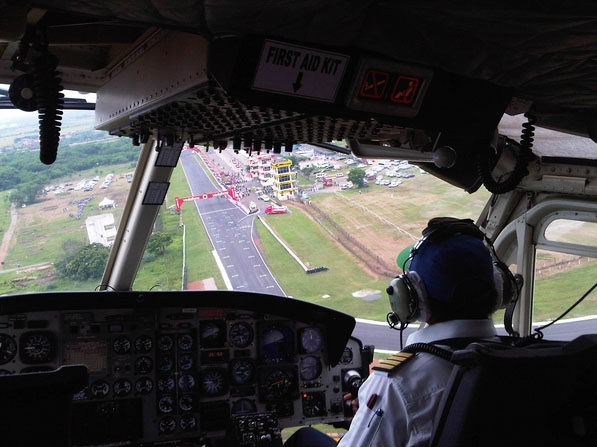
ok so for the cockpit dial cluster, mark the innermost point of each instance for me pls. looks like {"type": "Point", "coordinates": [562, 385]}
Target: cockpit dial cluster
{"type": "Point", "coordinates": [175, 373]}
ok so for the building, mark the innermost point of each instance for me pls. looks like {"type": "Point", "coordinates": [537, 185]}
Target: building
{"type": "Point", "coordinates": [261, 167]}
{"type": "Point", "coordinates": [284, 184]}
{"type": "Point", "coordinates": [101, 229]}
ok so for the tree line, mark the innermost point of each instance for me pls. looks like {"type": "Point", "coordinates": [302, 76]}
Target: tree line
{"type": "Point", "coordinates": [27, 176]}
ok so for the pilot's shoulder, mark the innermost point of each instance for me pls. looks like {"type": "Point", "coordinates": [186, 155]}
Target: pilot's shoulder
{"type": "Point", "coordinates": [393, 362]}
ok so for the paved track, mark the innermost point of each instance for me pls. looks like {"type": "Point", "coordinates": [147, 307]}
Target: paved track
{"type": "Point", "coordinates": [231, 232]}
{"type": "Point", "coordinates": [386, 339]}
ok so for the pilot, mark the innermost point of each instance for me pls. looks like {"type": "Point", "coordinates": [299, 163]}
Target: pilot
{"type": "Point", "coordinates": [451, 278]}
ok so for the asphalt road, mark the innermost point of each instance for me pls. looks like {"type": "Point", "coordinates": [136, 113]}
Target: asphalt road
{"type": "Point", "coordinates": [231, 232]}
{"type": "Point", "coordinates": [386, 339]}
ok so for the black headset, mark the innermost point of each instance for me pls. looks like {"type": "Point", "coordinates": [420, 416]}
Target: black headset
{"type": "Point", "coordinates": [406, 292]}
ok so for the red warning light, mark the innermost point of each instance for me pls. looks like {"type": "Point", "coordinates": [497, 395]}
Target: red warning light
{"type": "Point", "coordinates": [374, 84]}
{"type": "Point", "coordinates": [405, 90]}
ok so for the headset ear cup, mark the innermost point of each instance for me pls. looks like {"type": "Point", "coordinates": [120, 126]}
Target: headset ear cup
{"type": "Point", "coordinates": [505, 285]}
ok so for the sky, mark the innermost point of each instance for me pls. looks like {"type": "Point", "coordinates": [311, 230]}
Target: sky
{"type": "Point", "coordinates": [8, 113]}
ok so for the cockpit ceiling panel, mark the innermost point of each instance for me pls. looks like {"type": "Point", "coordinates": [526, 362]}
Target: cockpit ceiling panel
{"type": "Point", "coordinates": [211, 115]}
{"type": "Point", "coordinates": [544, 50]}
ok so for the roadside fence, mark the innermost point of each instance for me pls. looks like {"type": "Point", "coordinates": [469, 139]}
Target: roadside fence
{"type": "Point", "coordinates": [348, 241]}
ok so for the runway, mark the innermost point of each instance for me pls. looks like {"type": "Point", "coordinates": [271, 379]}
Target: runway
{"type": "Point", "coordinates": [232, 235]}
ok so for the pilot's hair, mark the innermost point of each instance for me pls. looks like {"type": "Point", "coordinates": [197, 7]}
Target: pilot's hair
{"type": "Point", "coordinates": [471, 300]}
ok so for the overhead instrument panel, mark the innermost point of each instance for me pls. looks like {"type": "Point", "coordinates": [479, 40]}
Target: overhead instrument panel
{"type": "Point", "coordinates": [263, 93]}
{"type": "Point", "coordinates": [207, 368]}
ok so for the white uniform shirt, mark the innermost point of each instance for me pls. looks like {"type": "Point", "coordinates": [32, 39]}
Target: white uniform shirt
{"type": "Point", "coordinates": [409, 396]}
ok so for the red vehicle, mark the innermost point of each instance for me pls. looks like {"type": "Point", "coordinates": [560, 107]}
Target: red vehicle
{"type": "Point", "coordinates": [327, 181]}
{"type": "Point", "coordinates": [275, 209]}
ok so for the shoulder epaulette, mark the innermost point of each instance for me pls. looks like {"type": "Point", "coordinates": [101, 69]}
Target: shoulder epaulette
{"type": "Point", "coordinates": [393, 361]}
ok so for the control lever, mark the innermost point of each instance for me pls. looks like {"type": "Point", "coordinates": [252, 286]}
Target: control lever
{"type": "Point", "coordinates": [352, 381]}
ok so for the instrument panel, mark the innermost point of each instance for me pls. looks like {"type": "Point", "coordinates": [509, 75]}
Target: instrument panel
{"type": "Point", "coordinates": [189, 373]}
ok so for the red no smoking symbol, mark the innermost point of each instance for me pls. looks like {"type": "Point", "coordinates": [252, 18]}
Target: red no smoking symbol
{"type": "Point", "coordinates": [374, 84]}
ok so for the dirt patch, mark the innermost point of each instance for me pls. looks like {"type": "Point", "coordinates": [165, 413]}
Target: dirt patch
{"type": "Point", "coordinates": [367, 294]}
{"type": "Point", "coordinates": [357, 261]}
{"type": "Point", "coordinates": [204, 284]}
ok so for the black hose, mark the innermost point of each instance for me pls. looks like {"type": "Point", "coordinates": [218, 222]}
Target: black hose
{"type": "Point", "coordinates": [50, 101]}
{"type": "Point", "coordinates": [525, 155]}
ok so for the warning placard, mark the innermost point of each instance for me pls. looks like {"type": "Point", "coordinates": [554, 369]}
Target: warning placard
{"type": "Point", "coordinates": [300, 71]}
{"type": "Point", "coordinates": [405, 90]}
{"type": "Point", "coordinates": [374, 84]}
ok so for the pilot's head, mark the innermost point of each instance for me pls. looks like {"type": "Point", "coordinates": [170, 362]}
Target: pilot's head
{"type": "Point", "coordinates": [456, 274]}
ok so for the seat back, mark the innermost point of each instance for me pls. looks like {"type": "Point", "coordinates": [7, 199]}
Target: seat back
{"type": "Point", "coordinates": [543, 394]}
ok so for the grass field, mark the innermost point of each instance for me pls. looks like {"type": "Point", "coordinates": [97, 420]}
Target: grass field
{"type": "Point", "coordinates": [46, 227]}
{"type": "Point", "coordinates": [554, 292]}
{"type": "Point", "coordinates": [389, 219]}
{"type": "Point", "coordinates": [4, 212]}
{"type": "Point", "coordinates": [200, 261]}
{"type": "Point", "coordinates": [316, 249]}
{"type": "Point", "coordinates": [43, 227]}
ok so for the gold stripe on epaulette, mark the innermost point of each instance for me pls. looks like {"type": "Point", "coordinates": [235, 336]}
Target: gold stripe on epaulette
{"type": "Point", "coordinates": [393, 361]}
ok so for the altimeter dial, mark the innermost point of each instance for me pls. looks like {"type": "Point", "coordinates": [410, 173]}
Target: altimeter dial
{"type": "Point", "coordinates": [37, 347]}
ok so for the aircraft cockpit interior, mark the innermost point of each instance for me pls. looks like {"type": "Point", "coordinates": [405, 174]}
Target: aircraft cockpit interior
{"type": "Point", "coordinates": [422, 82]}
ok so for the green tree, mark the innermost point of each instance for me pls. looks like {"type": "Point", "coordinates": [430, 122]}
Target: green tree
{"type": "Point", "coordinates": [88, 263]}
{"type": "Point", "coordinates": [158, 242]}
{"type": "Point", "coordinates": [356, 176]}
{"type": "Point", "coordinates": [307, 171]}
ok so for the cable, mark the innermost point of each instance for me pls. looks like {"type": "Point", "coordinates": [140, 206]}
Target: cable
{"type": "Point", "coordinates": [393, 321]}
{"type": "Point", "coordinates": [429, 349]}
{"type": "Point", "coordinates": [520, 169]}
{"type": "Point", "coordinates": [49, 101]}
{"type": "Point", "coordinates": [538, 332]}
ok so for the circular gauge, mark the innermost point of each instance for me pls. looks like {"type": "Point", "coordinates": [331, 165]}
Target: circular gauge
{"type": "Point", "coordinates": [8, 349]}
{"type": "Point", "coordinates": [185, 342]}
{"type": "Point", "coordinates": [165, 343]}
{"type": "Point", "coordinates": [167, 425]}
{"type": "Point", "coordinates": [277, 384]}
{"type": "Point", "coordinates": [346, 356]}
{"type": "Point", "coordinates": [310, 368]}
{"type": "Point", "coordinates": [143, 365]}
{"type": "Point", "coordinates": [144, 385]}
{"type": "Point", "coordinates": [242, 406]}
{"type": "Point", "coordinates": [99, 389]}
{"type": "Point", "coordinates": [166, 404]}
{"type": "Point", "coordinates": [311, 339]}
{"type": "Point", "coordinates": [186, 382]}
{"type": "Point", "coordinates": [122, 387]}
{"type": "Point", "coordinates": [37, 347]}
{"type": "Point", "coordinates": [166, 364]}
{"type": "Point", "coordinates": [143, 344]}
{"type": "Point", "coordinates": [212, 334]}
{"type": "Point", "coordinates": [188, 422]}
{"type": "Point", "coordinates": [185, 362]}
{"type": "Point", "coordinates": [213, 382]}
{"type": "Point", "coordinates": [277, 344]}
{"type": "Point", "coordinates": [166, 384]}
{"type": "Point", "coordinates": [185, 403]}
{"type": "Point", "coordinates": [241, 334]}
{"type": "Point", "coordinates": [242, 371]}
{"type": "Point", "coordinates": [121, 345]}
